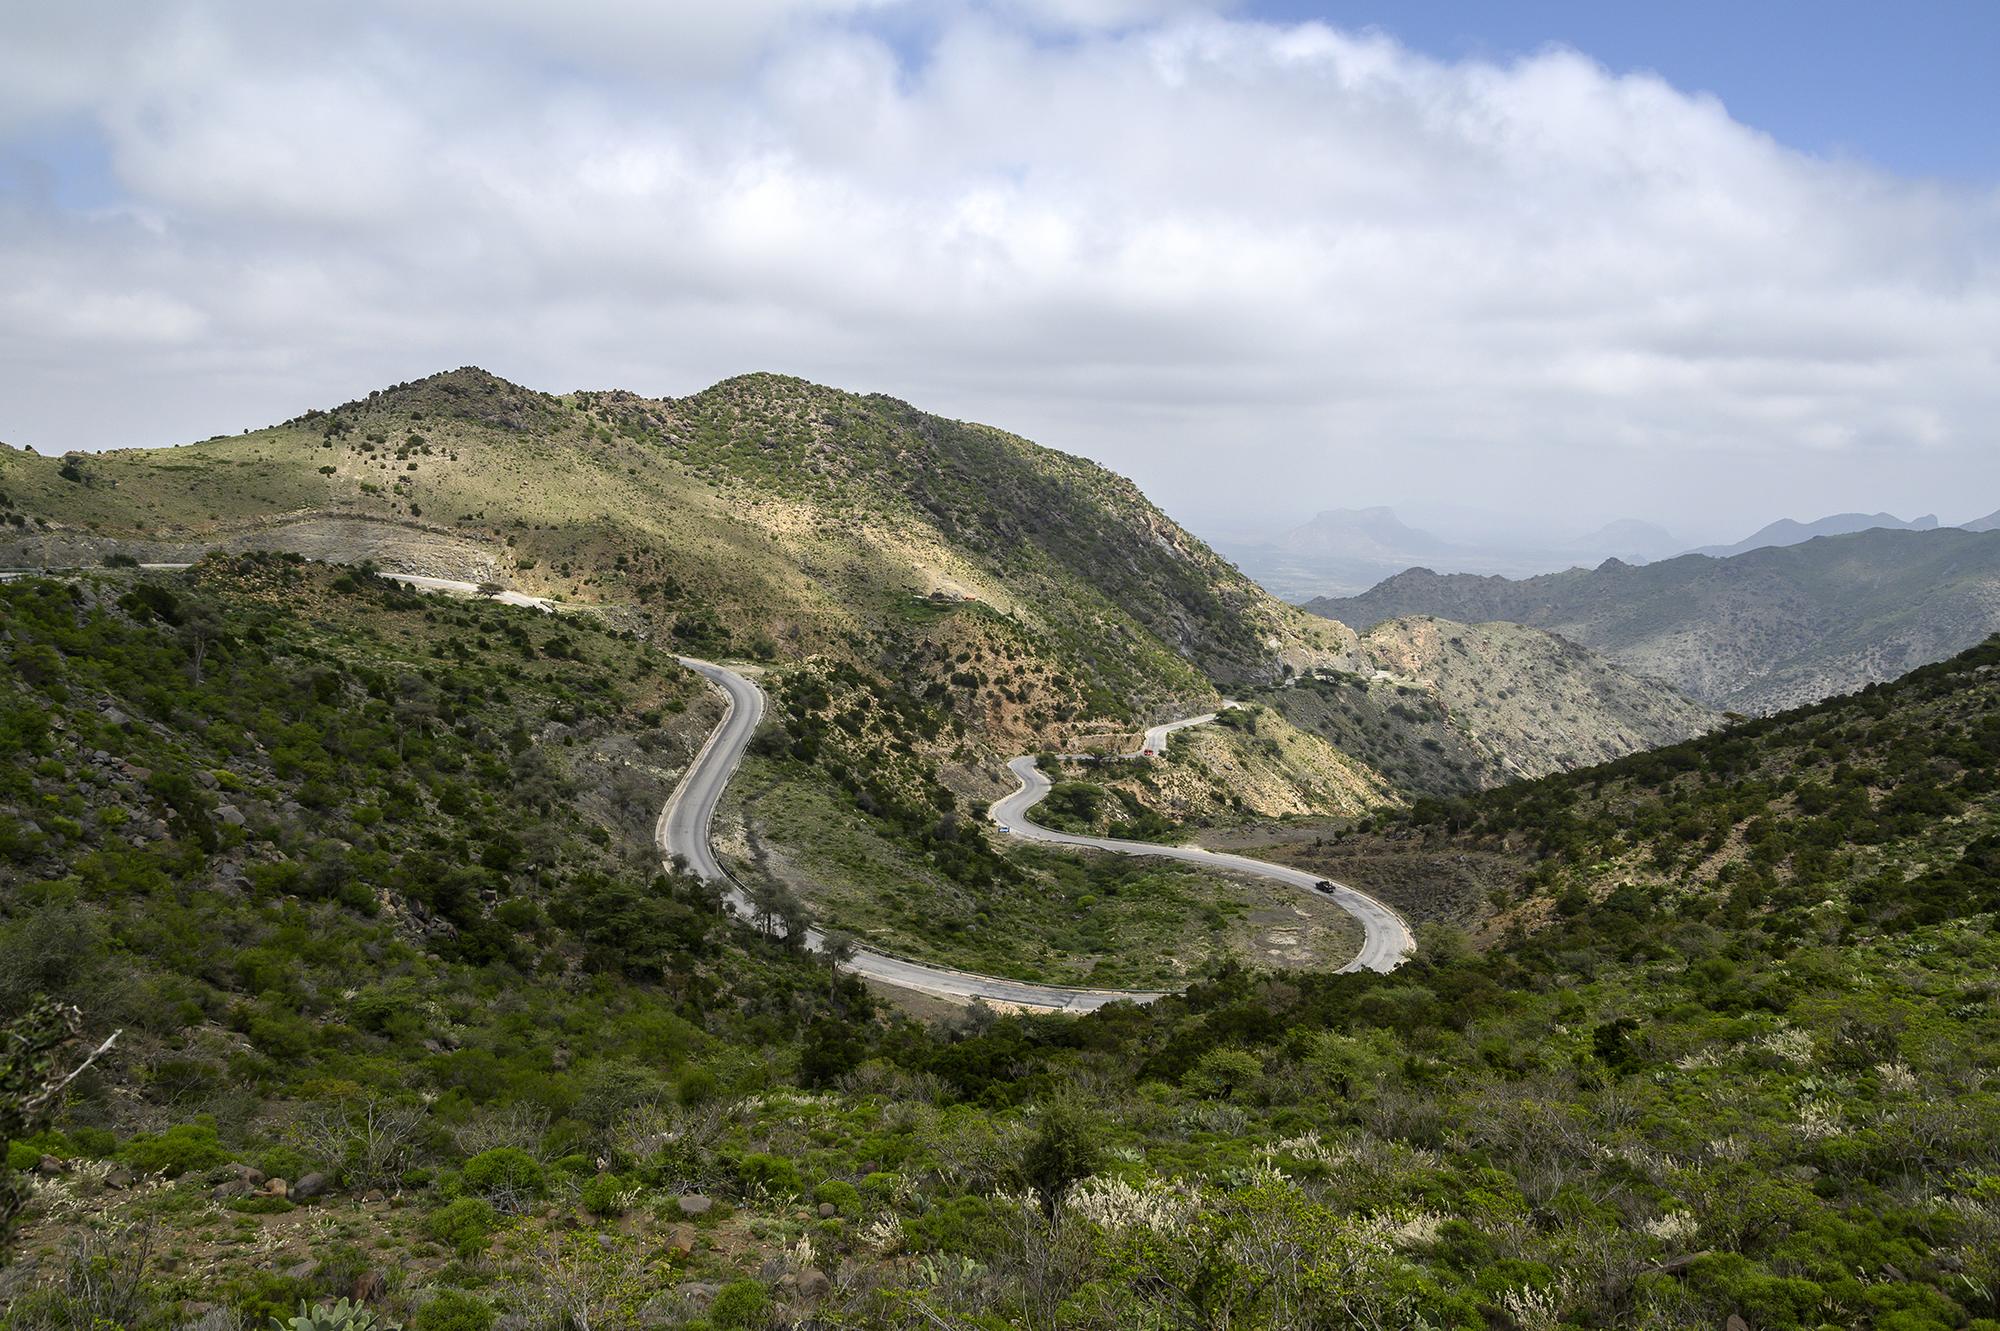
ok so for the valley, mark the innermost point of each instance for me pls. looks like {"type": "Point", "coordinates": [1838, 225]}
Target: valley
{"type": "Point", "coordinates": [727, 894]}
{"type": "Point", "coordinates": [1051, 665]}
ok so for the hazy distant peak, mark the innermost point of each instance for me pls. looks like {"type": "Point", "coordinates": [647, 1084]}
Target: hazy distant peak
{"type": "Point", "coordinates": [1789, 531]}
{"type": "Point", "coordinates": [1991, 522]}
{"type": "Point", "coordinates": [1374, 531]}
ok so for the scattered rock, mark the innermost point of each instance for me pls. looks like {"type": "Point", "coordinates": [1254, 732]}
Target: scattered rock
{"type": "Point", "coordinates": [120, 1178]}
{"type": "Point", "coordinates": [301, 1270]}
{"type": "Point", "coordinates": [250, 1174]}
{"type": "Point", "coordinates": [827, 1210]}
{"type": "Point", "coordinates": [308, 1187]}
{"type": "Point", "coordinates": [694, 1204]}
{"type": "Point", "coordinates": [772, 1271]}
{"type": "Point", "coordinates": [48, 1164]}
{"type": "Point", "coordinates": [207, 779]}
{"type": "Point", "coordinates": [697, 1294]}
{"type": "Point", "coordinates": [679, 1241]}
{"type": "Point", "coordinates": [230, 814]}
{"type": "Point", "coordinates": [1735, 1323]}
{"type": "Point", "coordinates": [373, 1197]}
{"type": "Point", "coordinates": [277, 1187]}
{"type": "Point", "coordinates": [813, 1283]}
{"type": "Point", "coordinates": [235, 1187]}
{"type": "Point", "coordinates": [368, 1287]}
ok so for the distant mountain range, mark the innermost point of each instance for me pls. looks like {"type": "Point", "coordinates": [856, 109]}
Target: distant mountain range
{"type": "Point", "coordinates": [1344, 551]}
{"type": "Point", "coordinates": [1350, 549]}
{"type": "Point", "coordinates": [1787, 532]}
{"type": "Point", "coordinates": [1754, 632]}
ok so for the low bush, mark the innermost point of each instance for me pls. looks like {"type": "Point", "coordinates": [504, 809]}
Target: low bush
{"type": "Point", "coordinates": [174, 1152]}
{"type": "Point", "coordinates": [741, 1303]}
{"type": "Point", "coordinates": [772, 1173]}
{"type": "Point", "coordinates": [451, 1310]}
{"type": "Point", "coordinates": [506, 1176]}
{"type": "Point", "coordinates": [463, 1226]}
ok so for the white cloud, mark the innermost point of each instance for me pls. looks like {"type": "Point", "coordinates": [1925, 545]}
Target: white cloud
{"type": "Point", "coordinates": [1233, 259]}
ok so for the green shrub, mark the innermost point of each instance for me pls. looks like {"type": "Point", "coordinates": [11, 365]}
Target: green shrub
{"type": "Point", "coordinates": [697, 1085]}
{"type": "Point", "coordinates": [463, 1226]}
{"type": "Point", "coordinates": [1064, 1152]}
{"type": "Point", "coordinates": [22, 1156]}
{"type": "Point", "coordinates": [962, 1225]}
{"type": "Point", "coordinates": [741, 1303]}
{"type": "Point", "coordinates": [265, 1298]}
{"type": "Point", "coordinates": [1220, 1073]}
{"type": "Point", "coordinates": [96, 1143]}
{"type": "Point", "coordinates": [450, 1310]}
{"type": "Point", "coordinates": [845, 1197]}
{"type": "Point", "coordinates": [773, 1173]}
{"type": "Point", "coordinates": [604, 1194]}
{"type": "Point", "coordinates": [283, 1162]}
{"type": "Point", "coordinates": [507, 1176]}
{"type": "Point", "coordinates": [261, 1204]}
{"type": "Point", "coordinates": [180, 1148]}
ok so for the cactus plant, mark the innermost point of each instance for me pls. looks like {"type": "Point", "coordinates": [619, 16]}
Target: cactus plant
{"type": "Point", "coordinates": [341, 1316]}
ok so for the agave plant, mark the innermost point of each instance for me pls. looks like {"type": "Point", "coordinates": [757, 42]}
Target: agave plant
{"type": "Point", "coordinates": [341, 1316]}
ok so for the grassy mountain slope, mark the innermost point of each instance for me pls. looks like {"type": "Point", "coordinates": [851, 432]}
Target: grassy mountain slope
{"type": "Point", "coordinates": [765, 515]}
{"type": "Point", "coordinates": [1761, 631]}
{"type": "Point", "coordinates": [1032, 598]}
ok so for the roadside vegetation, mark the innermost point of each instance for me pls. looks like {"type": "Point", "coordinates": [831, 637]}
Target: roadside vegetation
{"type": "Point", "coordinates": [1729, 1052]}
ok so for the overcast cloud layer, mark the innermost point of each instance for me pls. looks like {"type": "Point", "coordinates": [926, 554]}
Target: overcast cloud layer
{"type": "Point", "coordinates": [1259, 268]}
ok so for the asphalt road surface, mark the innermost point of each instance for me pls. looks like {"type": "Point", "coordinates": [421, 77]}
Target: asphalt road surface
{"type": "Point", "coordinates": [1386, 938]}
{"type": "Point", "coordinates": [683, 832]}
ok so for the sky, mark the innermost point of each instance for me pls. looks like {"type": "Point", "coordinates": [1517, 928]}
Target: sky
{"type": "Point", "coordinates": [1538, 264]}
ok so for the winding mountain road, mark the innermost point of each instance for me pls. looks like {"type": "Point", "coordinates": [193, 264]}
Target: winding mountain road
{"type": "Point", "coordinates": [683, 831]}
{"type": "Point", "coordinates": [1386, 939]}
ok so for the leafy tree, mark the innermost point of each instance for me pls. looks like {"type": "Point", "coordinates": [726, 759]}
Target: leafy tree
{"type": "Point", "coordinates": [1063, 1152]}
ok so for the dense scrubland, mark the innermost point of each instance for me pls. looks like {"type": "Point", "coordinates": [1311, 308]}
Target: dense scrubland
{"type": "Point", "coordinates": [363, 879]}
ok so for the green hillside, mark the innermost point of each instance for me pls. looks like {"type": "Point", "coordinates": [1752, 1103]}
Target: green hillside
{"type": "Point", "coordinates": [765, 516]}
{"type": "Point", "coordinates": [1727, 1047]}
{"type": "Point", "coordinates": [1016, 597]}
